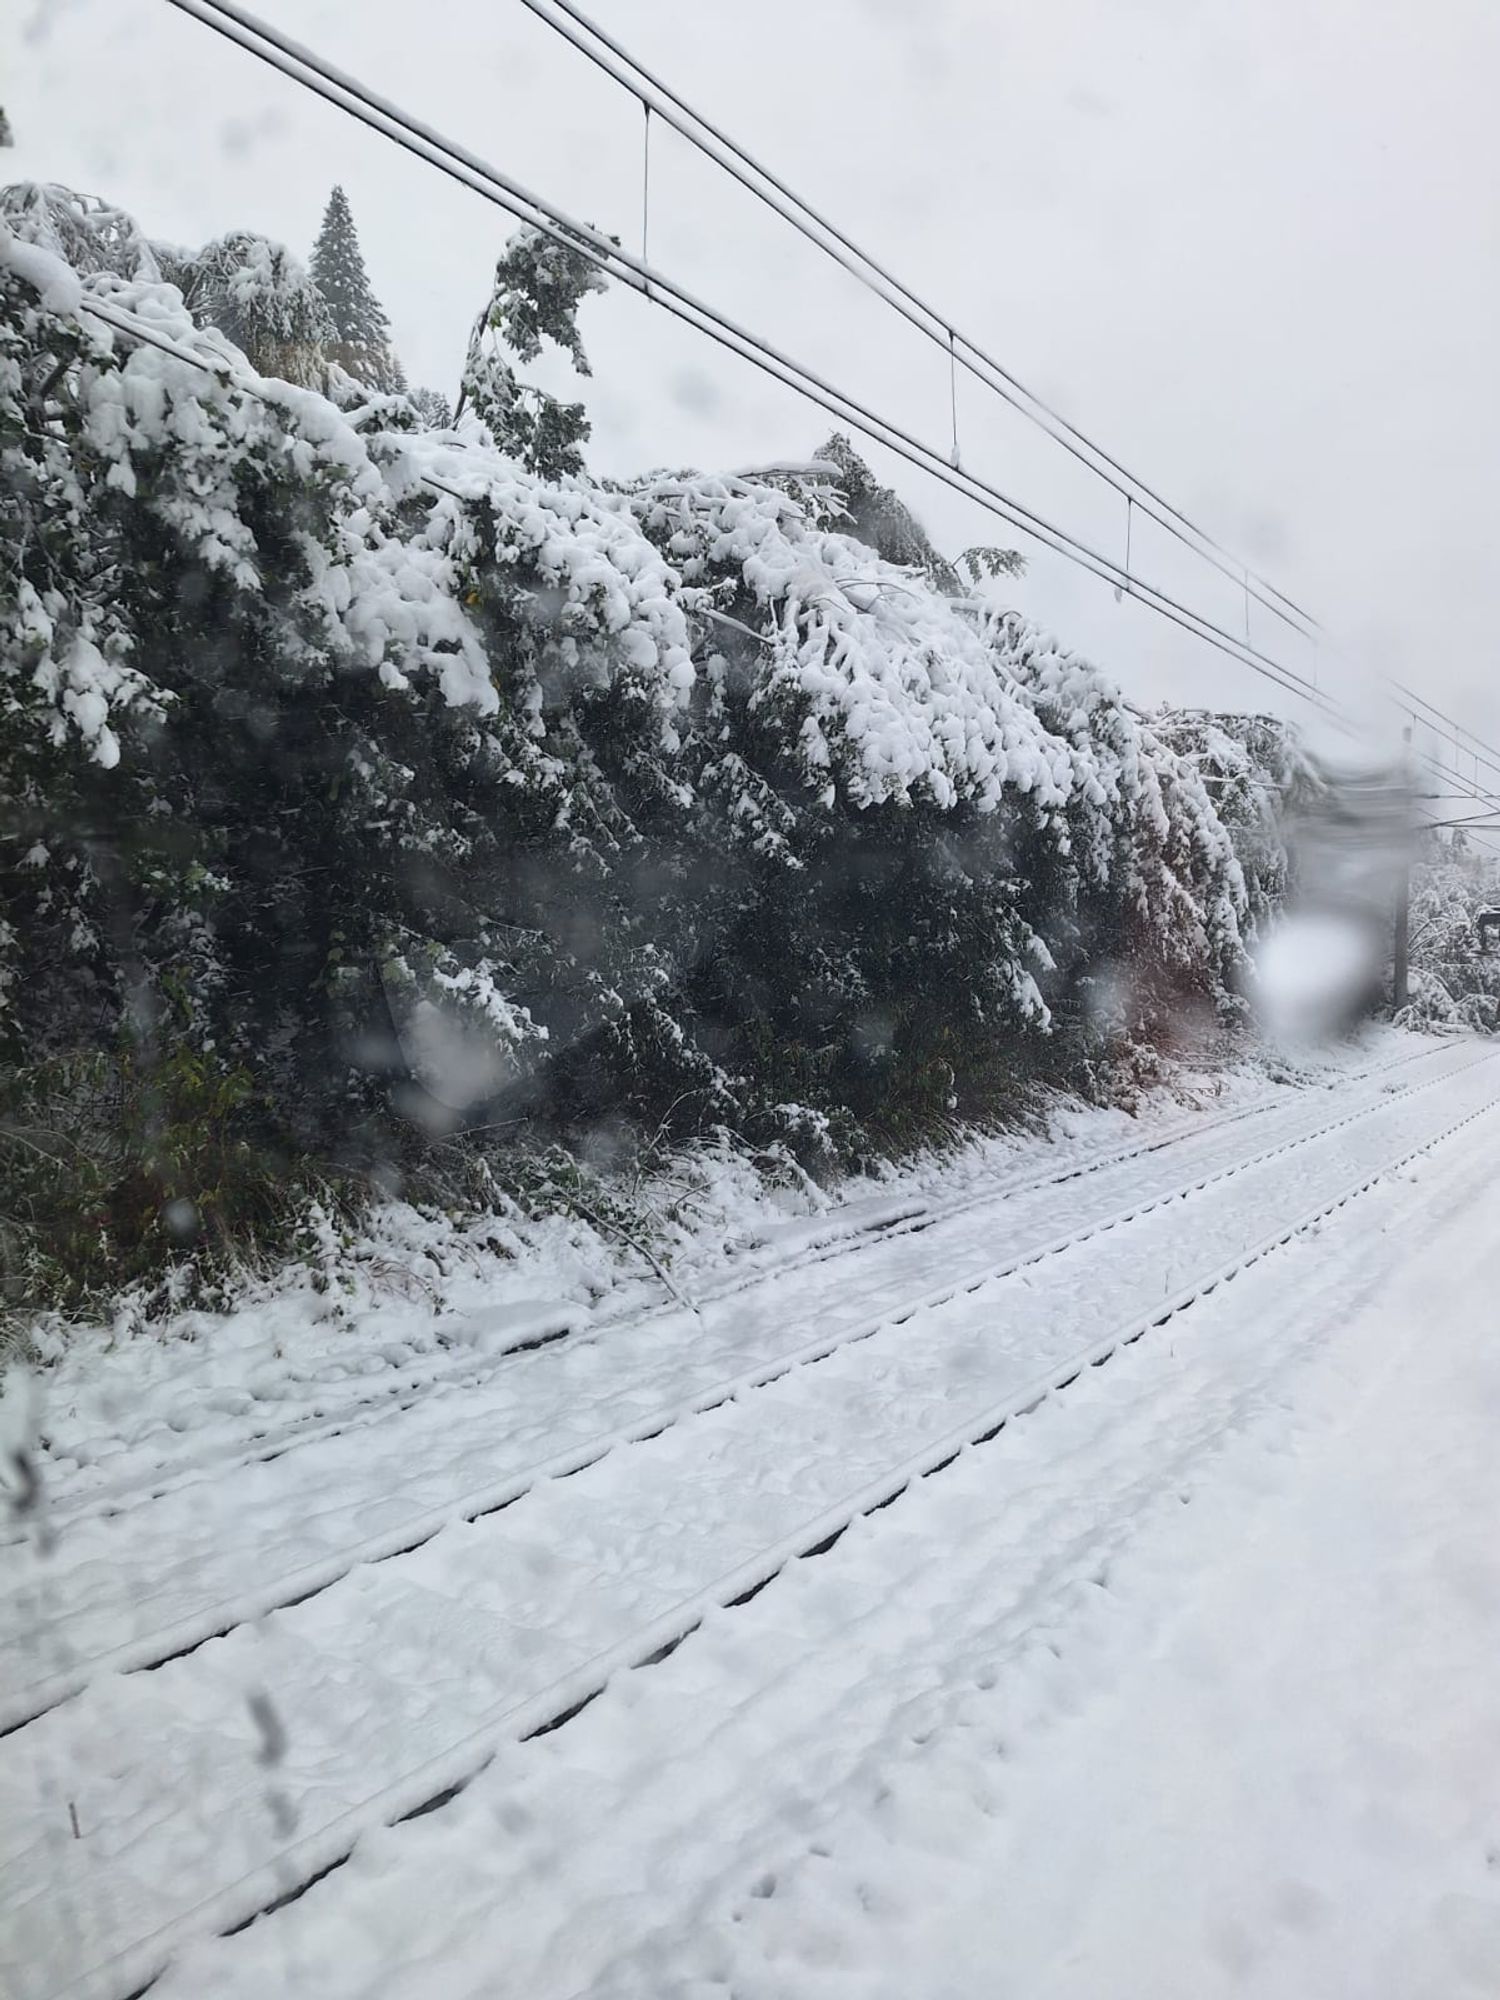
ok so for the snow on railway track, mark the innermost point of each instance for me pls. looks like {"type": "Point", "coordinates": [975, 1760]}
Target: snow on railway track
{"type": "Point", "coordinates": [780, 1251]}
{"type": "Point", "coordinates": [136, 1590]}
{"type": "Point", "coordinates": [924, 1761]}
{"type": "Point", "coordinates": [394, 1685]}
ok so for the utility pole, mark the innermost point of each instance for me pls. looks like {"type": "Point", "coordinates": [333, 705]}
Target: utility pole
{"type": "Point", "coordinates": [1401, 955]}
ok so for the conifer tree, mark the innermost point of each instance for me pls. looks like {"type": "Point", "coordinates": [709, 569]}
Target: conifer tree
{"type": "Point", "coordinates": [362, 333]}
{"type": "Point", "coordinates": [5, 132]}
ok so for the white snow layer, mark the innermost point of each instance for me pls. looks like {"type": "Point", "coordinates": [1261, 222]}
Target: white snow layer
{"type": "Point", "coordinates": [887, 690]}
{"type": "Point", "coordinates": [901, 1767]}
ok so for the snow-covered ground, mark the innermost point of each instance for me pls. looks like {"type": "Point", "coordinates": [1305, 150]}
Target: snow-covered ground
{"type": "Point", "coordinates": [1037, 1727]}
{"type": "Point", "coordinates": [416, 1303]}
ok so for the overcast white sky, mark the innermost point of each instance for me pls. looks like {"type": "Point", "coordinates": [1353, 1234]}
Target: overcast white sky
{"type": "Point", "coordinates": [1253, 249]}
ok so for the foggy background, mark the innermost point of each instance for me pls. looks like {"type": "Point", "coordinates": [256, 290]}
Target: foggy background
{"type": "Point", "coordinates": [1252, 251]}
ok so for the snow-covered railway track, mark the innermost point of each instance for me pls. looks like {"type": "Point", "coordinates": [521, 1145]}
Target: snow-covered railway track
{"type": "Point", "coordinates": [835, 1235]}
{"type": "Point", "coordinates": [886, 1735]}
{"type": "Point", "coordinates": [139, 1591]}
{"type": "Point", "coordinates": [391, 1689]}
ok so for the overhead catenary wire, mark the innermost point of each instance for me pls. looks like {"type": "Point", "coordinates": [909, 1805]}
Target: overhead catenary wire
{"type": "Point", "coordinates": [303, 66]}
{"type": "Point", "coordinates": [756, 178]}
{"type": "Point", "coordinates": [627, 70]}
{"type": "Point", "coordinates": [1475, 748]}
{"type": "Point", "coordinates": [567, 230]}
{"type": "Point", "coordinates": [1489, 799]}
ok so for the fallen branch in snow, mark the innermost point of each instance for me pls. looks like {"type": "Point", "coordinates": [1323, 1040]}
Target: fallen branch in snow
{"type": "Point", "coordinates": [641, 1249]}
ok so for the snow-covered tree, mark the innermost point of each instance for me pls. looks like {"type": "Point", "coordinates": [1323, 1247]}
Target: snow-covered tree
{"type": "Point", "coordinates": [366, 784]}
{"type": "Point", "coordinates": [361, 337]}
{"type": "Point", "coordinates": [6, 138]}
{"type": "Point", "coordinates": [87, 234]}
{"type": "Point", "coordinates": [213, 632]}
{"type": "Point", "coordinates": [1145, 902]}
{"type": "Point", "coordinates": [434, 409]}
{"type": "Point", "coordinates": [1455, 975]}
{"type": "Point", "coordinates": [877, 515]}
{"type": "Point", "coordinates": [538, 288]}
{"type": "Point", "coordinates": [261, 299]}
{"type": "Point", "coordinates": [1263, 784]}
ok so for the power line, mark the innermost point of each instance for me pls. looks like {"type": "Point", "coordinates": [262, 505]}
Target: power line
{"type": "Point", "coordinates": [1487, 799]}
{"type": "Point", "coordinates": [1476, 748]}
{"type": "Point", "coordinates": [302, 66]}
{"type": "Point", "coordinates": [1469, 788]}
{"type": "Point", "coordinates": [631, 74]}
{"type": "Point", "coordinates": [767, 187]}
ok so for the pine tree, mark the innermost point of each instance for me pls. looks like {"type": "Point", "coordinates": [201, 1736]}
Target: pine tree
{"type": "Point", "coordinates": [5, 132]}
{"type": "Point", "coordinates": [362, 333]}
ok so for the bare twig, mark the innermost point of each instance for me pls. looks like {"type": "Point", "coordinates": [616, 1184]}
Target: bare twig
{"type": "Point", "coordinates": [641, 1249]}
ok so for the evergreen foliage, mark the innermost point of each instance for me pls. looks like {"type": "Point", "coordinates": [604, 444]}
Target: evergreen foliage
{"type": "Point", "coordinates": [538, 288]}
{"type": "Point", "coordinates": [360, 341]}
{"type": "Point", "coordinates": [89, 235]}
{"type": "Point", "coordinates": [262, 301]}
{"type": "Point", "coordinates": [1263, 785]}
{"type": "Point", "coordinates": [878, 516]}
{"type": "Point", "coordinates": [383, 801]}
{"type": "Point", "coordinates": [984, 562]}
{"type": "Point", "coordinates": [433, 409]}
{"type": "Point", "coordinates": [1453, 979]}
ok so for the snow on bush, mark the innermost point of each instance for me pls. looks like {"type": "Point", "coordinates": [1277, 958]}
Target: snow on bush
{"type": "Point", "coordinates": [1262, 782]}
{"type": "Point", "coordinates": [1455, 974]}
{"type": "Point", "coordinates": [391, 788]}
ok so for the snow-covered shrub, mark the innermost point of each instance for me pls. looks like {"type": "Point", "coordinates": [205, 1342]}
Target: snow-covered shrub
{"type": "Point", "coordinates": [1262, 782]}
{"type": "Point", "coordinates": [1455, 978]}
{"type": "Point", "coordinates": [86, 233]}
{"type": "Point", "coordinates": [1142, 903]}
{"type": "Point", "coordinates": [377, 793]}
{"type": "Point", "coordinates": [261, 299]}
